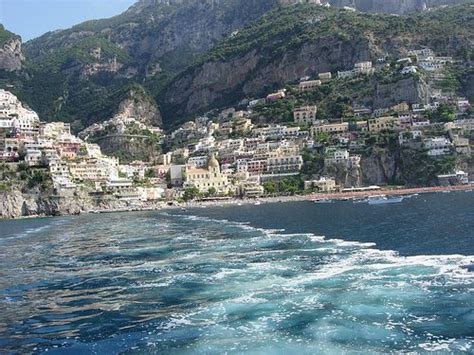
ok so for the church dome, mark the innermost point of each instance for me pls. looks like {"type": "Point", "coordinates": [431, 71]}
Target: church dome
{"type": "Point", "coordinates": [213, 163]}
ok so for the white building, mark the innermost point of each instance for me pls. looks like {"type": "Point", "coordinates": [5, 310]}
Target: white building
{"type": "Point", "coordinates": [280, 164]}
{"type": "Point", "coordinates": [198, 162]}
{"type": "Point", "coordinates": [342, 156]}
{"type": "Point", "coordinates": [438, 146]}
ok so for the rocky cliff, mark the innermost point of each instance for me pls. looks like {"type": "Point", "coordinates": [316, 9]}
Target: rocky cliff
{"type": "Point", "coordinates": [11, 55]}
{"type": "Point", "coordinates": [158, 35]}
{"type": "Point", "coordinates": [16, 204]}
{"type": "Point", "coordinates": [296, 41]}
{"type": "Point", "coordinates": [398, 7]}
{"type": "Point", "coordinates": [73, 75]}
{"type": "Point", "coordinates": [131, 134]}
{"type": "Point", "coordinates": [192, 55]}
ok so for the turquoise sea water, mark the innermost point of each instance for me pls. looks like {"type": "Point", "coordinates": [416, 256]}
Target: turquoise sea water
{"type": "Point", "coordinates": [280, 278]}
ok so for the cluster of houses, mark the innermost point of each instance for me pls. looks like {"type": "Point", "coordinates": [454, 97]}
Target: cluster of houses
{"type": "Point", "coordinates": [244, 163]}
{"type": "Point", "coordinates": [255, 154]}
{"type": "Point", "coordinates": [228, 154]}
{"type": "Point", "coordinates": [71, 161]}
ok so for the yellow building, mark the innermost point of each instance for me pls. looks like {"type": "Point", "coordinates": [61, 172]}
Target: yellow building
{"type": "Point", "coordinates": [308, 85]}
{"type": "Point", "coordinates": [305, 114]}
{"type": "Point", "coordinates": [331, 128]}
{"type": "Point", "coordinates": [324, 184]}
{"type": "Point", "coordinates": [205, 179]}
{"type": "Point", "coordinates": [89, 170]}
{"type": "Point", "coordinates": [384, 123]}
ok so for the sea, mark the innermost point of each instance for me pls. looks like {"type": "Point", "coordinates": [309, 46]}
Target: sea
{"type": "Point", "coordinates": [280, 278]}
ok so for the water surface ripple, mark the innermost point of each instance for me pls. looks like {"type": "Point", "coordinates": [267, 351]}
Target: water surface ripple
{"type": "Point", "coordinates": [185, 282]}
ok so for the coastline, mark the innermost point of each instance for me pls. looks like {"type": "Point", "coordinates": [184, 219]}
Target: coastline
{"type": "Point", "coordinates": [264, 200]}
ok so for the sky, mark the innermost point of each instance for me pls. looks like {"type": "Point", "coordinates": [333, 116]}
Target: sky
{"type": "Point", "coordinates": [32, 18]}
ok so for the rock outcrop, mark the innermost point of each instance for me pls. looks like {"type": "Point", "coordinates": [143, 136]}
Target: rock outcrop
{"type": "Point", "coordinates": [379, 168]}
{"type": "Point", "coordinates": [252, 74]}
{"type": "Point", "coordinates": [15, 204]}
{"type": "Point", "coordinates": [11, 55]}
{"type": "Point", "coordinates": [132, 133]}
{"type": "Point", "coordinates": [269, 55]}
{"type": "Point", "coordinates": [410, 90]}
{"type": "Point", "coordinates": [345, 176]}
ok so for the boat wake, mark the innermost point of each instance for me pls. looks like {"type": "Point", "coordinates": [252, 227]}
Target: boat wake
{"type": "Point", "coordinates": [178, 282]}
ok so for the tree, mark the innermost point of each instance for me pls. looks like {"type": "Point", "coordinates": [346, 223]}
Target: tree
{"type": "Point", "coordinates": [270, 187]}
{"type": "Point", "coordinates": [191, 193]}
{"type": "Point", "coordinates": [212, 192]}
{"type": "Point", "coordinates": [444, 113]}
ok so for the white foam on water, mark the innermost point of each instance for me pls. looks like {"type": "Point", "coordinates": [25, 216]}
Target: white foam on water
{"type": "Point", "coordinates": [28, 232]}
{"type": "Point", "coordinates": [360, 256]}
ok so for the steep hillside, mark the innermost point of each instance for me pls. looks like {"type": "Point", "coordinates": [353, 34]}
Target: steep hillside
{"type": "Point", "coordinates": [291, 42]}
{"type": "Point", "coordinates": [393, 6]}
{"type": "Point", "coordinates": [158, 35]}
{"type": "Point", "coordinates": [10, 50]}
{"type": "Point", "coordinates": [74, 75]}
{"type": "Point", "coordinates": [80, 75]}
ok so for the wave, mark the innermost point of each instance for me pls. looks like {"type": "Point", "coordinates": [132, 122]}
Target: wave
{"type": "Point", "coordinates": [362, 256]}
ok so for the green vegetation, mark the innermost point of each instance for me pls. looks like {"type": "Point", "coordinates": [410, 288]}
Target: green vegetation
{"type": "Point", "coordinates": [313, 163]}
{"type": "Point", "coordinates": [5, 35]}
{"type": "Point", "coordinates": [24, 177]}
{"type": "Point", "coordinates": [444, 113]}
{"type": "Point", "coordinates": [418, 169]}
{"type": "Point", "coordinates": [82, 52]}
{"type": "Point", "coordinates": [286, 186]}
{"type": "Point", "coordinates": [191, 193]}
{"type": "Point", "coordinates": [39, 178]}
{"type": "Point", "coordinates": [286, 35]}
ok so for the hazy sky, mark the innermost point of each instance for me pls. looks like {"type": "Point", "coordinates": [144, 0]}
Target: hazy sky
{"type": "Point", "coordinates": [32, 18]}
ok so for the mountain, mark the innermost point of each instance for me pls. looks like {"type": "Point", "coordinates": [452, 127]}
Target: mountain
{"type": "Point", "coordinates": [152, 36]}
{"type": "Point", "coordinates": [292, 42]}
{"type": "Point", "coordinates": [399, 7]}
{"type": "Point", "coordinates": [74, 75]}
{"type": "Point", "coordinates": [81, 75]}
{"type": "Point", "coordinates": [10, 50]}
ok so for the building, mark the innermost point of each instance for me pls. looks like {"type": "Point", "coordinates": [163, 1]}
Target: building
{"type": "Point", "coordinates": [280, 94]}
{"type": "Point", "coordinates": [345, 74]}
{"type": "Point", "coordinates": [407, 136]}
{"type": "Point", "coordinates": [421, 54]}
{"type": "Point", "coordinates": [308, 85]}
{"type": "Point", "coordinates": [54, 129]}
{"type": "Point", "coordinates": [359, 68]}
{"type": "Point", "coordinates": [252, 166]}
{"type": "Point", "coordinates": [177, 175]}
{"type": "Point", "coordinates": [281, 164]}
{"type": "Point", "coordinates": [384, 123]}
{"type": "Point", "coordinates": [409, 70]}
{"type": "Point", "coordinates": [342, 156]}
{"type": "Point", "coordinates": [457, 178]}
{"type": "Point", "coordinates": [324, 184]}
{"type": "Point", "coordinates": [251, 188]}
{"type": "Point", "coordinates": [462, 145]}
{"type": "Point", "coordinates": [331, 128]}
{"type": "Point", "coordinates": [89, 170]}
{"type": "Point", "coordinates": [430, 66]}
{"type": "Point", "coordinates": [360, 111]}
{"type": "Point", "coordinates": [208, 178]}
{"type": "Point", "coordinates": [198, 162]}
{"type": "Point", "coordinates": [438, 146]}
{"type": "Point", "coordinates": [465, 124]}
{"type": "Point", "coordinates": [325, 76]}
{"type": "Point", "coordinates": [363, 67]}
{"type": "Point", "coordinates": [123, 189]}
{"type": "Point", "coordinates": [305, 114]}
